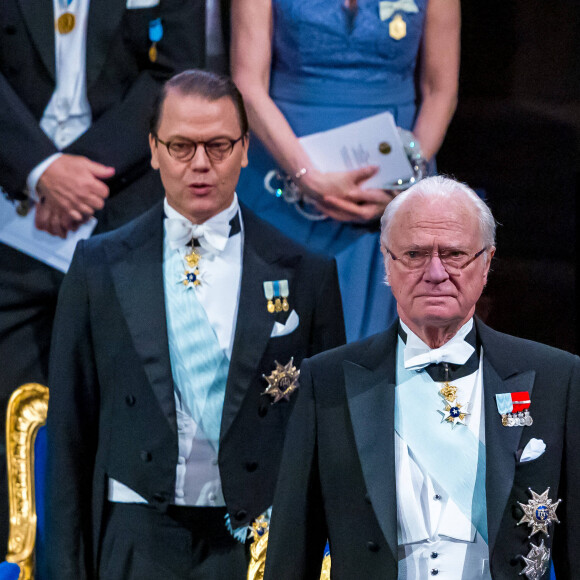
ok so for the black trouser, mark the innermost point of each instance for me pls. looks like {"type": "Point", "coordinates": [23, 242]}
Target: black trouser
{"type": "Point", "coordinates": [186, 543]}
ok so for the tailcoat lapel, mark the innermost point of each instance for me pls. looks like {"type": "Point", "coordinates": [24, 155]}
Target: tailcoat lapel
{"type": "Point", "coordinates": [137, 270]}
{"type": "Point", "coordinates": [501, 443]}
{"type": "Point", "coordinates": [370, 389]}
{"type": "Point", "coordinates": [261, 261]}
{"type": "Point", "coordinates": [104, 18]}
{"type": "Point", "coordinates": [39, 17]}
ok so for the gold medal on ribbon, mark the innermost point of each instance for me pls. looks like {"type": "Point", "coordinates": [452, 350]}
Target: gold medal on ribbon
{"type": "Point", "coordinates": [65, 23]}
{"type": "Point", "coordinates": [269, 294]}
{"type": "Point", "coordinates": [276, 293]}
{"type": "Point", "coordinates": [397, 27]}
{"type": "Point", "coordinates": [284, 293]}
{"type": "Point", "coordinates": [153, 52]}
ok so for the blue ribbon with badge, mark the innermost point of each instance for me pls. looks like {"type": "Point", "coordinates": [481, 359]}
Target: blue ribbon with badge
{"type": "Point", "coordinates": [155, 35]}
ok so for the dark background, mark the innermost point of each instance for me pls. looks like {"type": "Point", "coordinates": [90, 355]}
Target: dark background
{"type": "Point", "coordinates": [515, 138]}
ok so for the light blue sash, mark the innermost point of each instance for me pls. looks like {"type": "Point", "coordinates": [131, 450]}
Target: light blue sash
{"type": "Point", "coordinates": [198, 364]}
{"type": "Point", "coordinates": [454, 458]}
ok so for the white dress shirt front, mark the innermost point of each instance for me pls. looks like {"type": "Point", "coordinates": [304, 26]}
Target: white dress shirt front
{"type": "Point", "coordinates": [68, 113]}
{"type": "Point", "coordinates": [435, 537]}
{"type": "Point", "coordinates": [197, 473]}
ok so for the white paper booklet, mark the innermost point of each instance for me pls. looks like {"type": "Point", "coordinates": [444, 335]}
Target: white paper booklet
{"type": "Point", "coordinates": [20, 233]}
{"type": "Point", "coordinates": [371, 141]}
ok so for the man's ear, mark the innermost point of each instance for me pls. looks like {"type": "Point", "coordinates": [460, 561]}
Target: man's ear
{"type": "Point", "coordinates": [489, 255]}
{"type": "Point", "coordinates": [245, 145]}
{"type": "Point", "coordinates": [154, 151]}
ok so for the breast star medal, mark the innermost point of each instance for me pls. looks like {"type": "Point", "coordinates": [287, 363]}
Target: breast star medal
{"type": "Point", "coordinates": [454, 411]}
{"type": "Point", "coordinates": [536, 562]}
{"type": "Point", "coordinates": [539, 512]}
{"type": "Point", "coordinates": [65, 23]}
{"type": "Point", "coordinates": [282, 381]}
{"type": "Point", "coordinates": [397, 27]}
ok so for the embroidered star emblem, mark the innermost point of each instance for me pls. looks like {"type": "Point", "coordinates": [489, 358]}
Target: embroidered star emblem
{"type": "Point", "coordinates": [282, 381]}
{"type": "Point", "coordinates": [539, 512]}
{"type": "Point", "coordinates": [536, 562]}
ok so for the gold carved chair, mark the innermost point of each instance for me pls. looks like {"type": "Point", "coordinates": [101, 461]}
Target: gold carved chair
{"type": "Point", "coordinates": [26, 414]}
{"type": "Point", "coordinates": [258, 553]}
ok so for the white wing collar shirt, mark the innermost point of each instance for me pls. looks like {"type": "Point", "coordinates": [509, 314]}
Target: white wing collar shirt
{"type": "Point", "coordinates": [68, 113]}
{"type": "Point", "coordinates": [199, 412]}
{"type": "Point", "coordinates": [436, 534]}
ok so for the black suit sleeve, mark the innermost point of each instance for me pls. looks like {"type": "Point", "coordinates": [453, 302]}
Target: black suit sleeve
{"type": "Point", "coordinates": [121, 100]}
{"type": "Point", "coordinates": [567, 532]}
{"type": "Point", "coordinates": [328, 328]}
{"type": "Point", "coordinates": [25, 144]}
{"type": "Point", "coordinates": [298, 527]}
{"type": "Point", "coordinates": [72, 431]}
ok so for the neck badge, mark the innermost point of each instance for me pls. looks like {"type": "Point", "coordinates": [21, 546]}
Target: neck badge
{"type": "Point", "coordinates": [539, 512]}
{"type": "Point", "coordinates": [191, 276]}
{"type": "Point", "coordinates": [282, 381]}
{"type": "Point", "coordinates": [454, 411]}
{"type": "Point", "coordinates": [276, 293]}
{"type": "Point", "coordinates": [513, 408]}
{"type": "Point", "coordinates": [536, 562]}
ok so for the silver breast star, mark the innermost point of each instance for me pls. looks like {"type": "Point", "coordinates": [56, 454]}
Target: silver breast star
{"type": "Point", "coordinates": [536, 561]}
{"type": "Point", "coordinates": [539, 512]}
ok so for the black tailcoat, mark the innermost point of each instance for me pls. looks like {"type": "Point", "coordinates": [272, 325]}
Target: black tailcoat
{"type": "Point", "coordinates": [337, 478]}
{"type": "Point", "coordinates": [112, 409]}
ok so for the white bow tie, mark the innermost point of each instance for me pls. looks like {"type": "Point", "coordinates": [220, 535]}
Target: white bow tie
{"type": "Point", "coordinates": [417, 356]}
{"type": "Point", "coordinates": [212, 236]}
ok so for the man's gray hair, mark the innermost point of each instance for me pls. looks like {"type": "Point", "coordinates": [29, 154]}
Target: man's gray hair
{"type": "Point", "coordinates": [446, 188]}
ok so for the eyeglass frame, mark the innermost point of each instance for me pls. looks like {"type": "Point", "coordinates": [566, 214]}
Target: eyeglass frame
{"type": "Point", "coordinates": [196, 144]}
{"type": "Point", "coordinates": [431, 254]}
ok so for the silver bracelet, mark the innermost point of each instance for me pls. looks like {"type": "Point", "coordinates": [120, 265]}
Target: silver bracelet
{"type": "Point", "coordinates": [288, 190]}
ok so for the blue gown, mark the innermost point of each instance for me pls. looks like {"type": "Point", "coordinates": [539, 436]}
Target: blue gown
{"type": "Point", "coordinates": [328, 70]}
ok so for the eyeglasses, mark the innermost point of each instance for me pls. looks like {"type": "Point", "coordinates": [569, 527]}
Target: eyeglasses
{"type": "Point", "coordinates": [184, 150]}
{"type": "Point", "coordinates": [453, 260]}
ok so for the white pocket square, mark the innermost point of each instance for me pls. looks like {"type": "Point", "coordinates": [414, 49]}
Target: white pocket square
{"type": "Point", "coordinates": [284, 329]}
{"type": "Point", "coordinates": [142, 3]}
{"type": "Point", "coordinates": [533, 450]}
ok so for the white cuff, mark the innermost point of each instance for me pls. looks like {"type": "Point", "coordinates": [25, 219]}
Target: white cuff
{"type": "Point", "coordinates": [36, 174]}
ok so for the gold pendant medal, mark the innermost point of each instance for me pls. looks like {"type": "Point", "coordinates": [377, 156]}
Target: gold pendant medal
{"type": "Point", "coordinates": [153, 52]}
{"type": "Point", "coordinates": [454, 411]}
{"type": "Point", "coordinates": [65, 23]}
{"type": "Point", "coordinates": [397, 28]}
